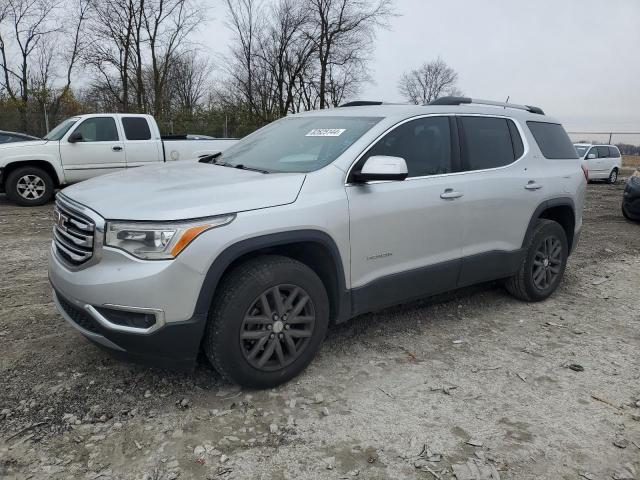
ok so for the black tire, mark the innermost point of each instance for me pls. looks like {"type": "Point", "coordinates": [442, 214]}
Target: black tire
{"type": "Point", "coordinates": [626, 214]}
{"type": "Point", "coordinates": [522, 285]}
{"type": "Point", "coordinates": [613, 176]}
{"type": "Point", "coordinates": [235, 302]}
{"type": "Point", "coordinates": [41, 180]}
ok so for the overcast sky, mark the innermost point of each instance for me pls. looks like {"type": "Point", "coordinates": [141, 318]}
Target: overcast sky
{"type": "Point", "coordinates": [577, 59]}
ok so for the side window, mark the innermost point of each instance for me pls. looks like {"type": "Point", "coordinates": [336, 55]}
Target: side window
{"type": "Point", "coordinates": [614, 152]}
{"type": "Point", "coordinates": [553, 141]}
{"type": "Point", "coordinates": [424, 143]}
{"type": "Point", "coordinates": [136, 128]}
{"type": "Point", "coordinates": [486, 143]}
{"type": "Point", "coordinates": [99, 129]}
{"type": "Point", "coordinates": [603, 152]}
{"type": "Point", "coordinates": [593, 151]}
{"type": "Point", "coordinates": [4, 138]}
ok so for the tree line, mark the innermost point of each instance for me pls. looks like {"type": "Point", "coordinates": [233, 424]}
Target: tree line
{"type": "Point", "coordinates": [63, 57]}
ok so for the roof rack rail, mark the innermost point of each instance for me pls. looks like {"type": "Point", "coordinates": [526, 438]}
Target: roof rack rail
{"type": "Point", "coordinates": [360, 103]}
{"type": "Point", "coordinates": [467, 100]}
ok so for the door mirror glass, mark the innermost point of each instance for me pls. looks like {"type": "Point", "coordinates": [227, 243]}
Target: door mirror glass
{"type": "Point", "coordinates": [75, 137]}
{"type": "Point", "coordinates": [591, 156]}
{"type": "Point", "coordinates": [382, 167]}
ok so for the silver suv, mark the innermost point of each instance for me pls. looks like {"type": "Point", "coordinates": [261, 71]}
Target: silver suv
{"type": "Point", "coordinates": [315, 218]}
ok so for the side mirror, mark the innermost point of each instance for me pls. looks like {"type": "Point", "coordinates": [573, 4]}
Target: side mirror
{"type": "Point", "coordinates": [591, 156]}
{"type": "Point", "coordinates": [381, 167]}
{"type": "Point", "coordinates": [75, 137]}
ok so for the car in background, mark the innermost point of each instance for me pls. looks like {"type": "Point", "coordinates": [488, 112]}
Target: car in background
{"type": "Point", "coordinates": [85, 146]}
{"type": "Point", "coordinates": [603, 161]}
{"type": "Point", "coordinates": [631, 198]}
{"type": "Point", "coordinates": [10, 137]}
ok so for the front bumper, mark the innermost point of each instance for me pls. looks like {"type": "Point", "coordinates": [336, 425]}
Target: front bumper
{"type": "Point", "coordinates": [105, 301]}
{"type": "Point", "coordinates": [173, 346]}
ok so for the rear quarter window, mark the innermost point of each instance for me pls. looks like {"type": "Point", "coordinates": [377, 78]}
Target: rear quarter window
{"type": "Point", "coordinates": [553, 141]}
{"type": "Point", "coordinates": [136, 128]}
{"type": "Point", "coordinates": [486, 143]}
{"type": "Point", "coordinates": [614, 152]}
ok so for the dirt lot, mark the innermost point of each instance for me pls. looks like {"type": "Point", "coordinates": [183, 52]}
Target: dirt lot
{"type": "Point", "coordinates": [475, 380]}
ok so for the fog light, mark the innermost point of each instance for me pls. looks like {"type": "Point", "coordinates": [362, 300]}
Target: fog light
{"type": "Point", "coordinates": [128, 319]}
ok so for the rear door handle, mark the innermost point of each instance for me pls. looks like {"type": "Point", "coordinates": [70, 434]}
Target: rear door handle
{"type": "Point", "coordinates": [450, 194]}
{"type": "Point", "coordinates": [532, 185]}
{"type": "Point", "coordinates": [116, 148]}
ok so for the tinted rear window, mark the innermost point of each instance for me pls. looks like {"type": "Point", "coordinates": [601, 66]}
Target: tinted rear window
{"type": "Point", "coordinates": [486, 143]}
{"type": "Point", "coordinates": [136, 128]}
{"type": "Point", "coordinates": [553, 141]}
{"type": "Point", "coordinates": [614, 152]}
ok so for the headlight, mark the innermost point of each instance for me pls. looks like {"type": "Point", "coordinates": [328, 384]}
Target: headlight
{"type": "Point", "coordinates": [636, 173]}
{"type": "Point", "coordinates": [159, 241]}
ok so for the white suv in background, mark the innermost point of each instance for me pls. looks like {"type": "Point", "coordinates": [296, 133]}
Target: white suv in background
{"type": "Point", "coordinates": [603, 161]}
{"type": "Point", "coordinates": [315, 218]}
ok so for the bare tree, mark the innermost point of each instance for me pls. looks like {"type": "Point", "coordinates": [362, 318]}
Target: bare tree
{"type": "Point", "coordinates": [112, 27]}
{"type": "Point", "coordinates": [344, 30]}
{"type": "Point", "coordinates": [285, 52]}
{"type": "Point", "coordinates": [29, 23]}
{"type": "Point", "coordinates": [243, 18]}
{"type": "Point", "coordinates": [428, 82]}
{"type": "Point", "coordinates": [167, 24]}
{"type": "Point", "coordinates": [189, 82]}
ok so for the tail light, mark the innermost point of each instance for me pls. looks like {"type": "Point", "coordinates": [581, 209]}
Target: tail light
{"type": "Point", "coordinates": [585, 170]}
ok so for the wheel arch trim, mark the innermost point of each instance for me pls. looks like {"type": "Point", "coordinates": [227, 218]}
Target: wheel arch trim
{"type": "Point", "coordinates": [546, 205]}
{"type": "Point", "coordinates": [237, 250]}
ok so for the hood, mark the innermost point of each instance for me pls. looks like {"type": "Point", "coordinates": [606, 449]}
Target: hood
{"type": "Point", "coordinates": [184, 190]}
{"type": "Point", "coordinates": [26, 143]}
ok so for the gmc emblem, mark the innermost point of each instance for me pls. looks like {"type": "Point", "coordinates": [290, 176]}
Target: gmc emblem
{"type": "Point", "coordinates": [60, 220]}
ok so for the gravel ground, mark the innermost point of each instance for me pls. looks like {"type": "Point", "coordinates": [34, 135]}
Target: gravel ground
{"type": "Point", "coordinates": [470, 382]}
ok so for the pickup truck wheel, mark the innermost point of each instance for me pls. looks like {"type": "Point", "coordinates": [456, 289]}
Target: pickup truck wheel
{"type": "Point", "coordinates": [267, 323]}
{"type": "Point", "coordinates": [29, 186]}
{"type": "Point", "coordinates": [543, 265]}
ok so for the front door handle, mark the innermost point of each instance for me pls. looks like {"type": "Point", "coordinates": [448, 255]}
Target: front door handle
{"type": "Point", "coordinates": [116, 148]}
{"type": "Point", "coordinates": [450, 194]}
{"type": "Point", "coordinates": [532, 185]}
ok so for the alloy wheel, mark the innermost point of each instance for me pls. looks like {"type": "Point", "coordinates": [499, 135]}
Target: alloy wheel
{"type": "Point", "coordinates": [31, 187]}
{"type": "Point", "coordinates": [277, 327]}
{"type": "Point", "coordinates": [547, 262]}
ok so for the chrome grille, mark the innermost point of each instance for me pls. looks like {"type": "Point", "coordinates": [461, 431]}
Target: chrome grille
{"type": "Point", "coordinates": [73, 234]}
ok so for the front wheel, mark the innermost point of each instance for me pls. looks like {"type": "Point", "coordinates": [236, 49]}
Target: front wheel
{"type": "Point", "coordinates": [268, 321]}
{"type": "Point", "coordinates": [29, 186]}
{"type": "Point", "coordinates": [543, 265]}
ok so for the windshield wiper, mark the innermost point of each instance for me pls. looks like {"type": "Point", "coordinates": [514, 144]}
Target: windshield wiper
{"type": "Point", "coordinates": [211, 158]}
{"type": "Point", "coordinates": [244, 167]}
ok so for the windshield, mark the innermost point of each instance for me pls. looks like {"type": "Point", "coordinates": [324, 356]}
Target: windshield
{"type": "Point", "coordinates": [58, 132]}
{"type": "Point", "coordinates": [581, 149]}
{"type": "Point", "coordinates": [302, 144]}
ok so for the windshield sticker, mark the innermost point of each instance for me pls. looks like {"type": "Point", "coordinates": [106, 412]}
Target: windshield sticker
{"type": "Point", "coordinates": [325, 132]}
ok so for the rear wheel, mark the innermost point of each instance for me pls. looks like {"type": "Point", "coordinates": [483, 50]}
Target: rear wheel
{"type": "Point", "coordinates": [543, 265]}
{"type": "Point", "coordinates": [267, 322]}
{"type": "Point", "coordinates": [613, 176]}
{"type": "Point", "coordinates": [29, 186]}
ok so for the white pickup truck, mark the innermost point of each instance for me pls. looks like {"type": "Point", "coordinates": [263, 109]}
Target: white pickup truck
{"type": "Point", "coordinates": [85, 146]}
